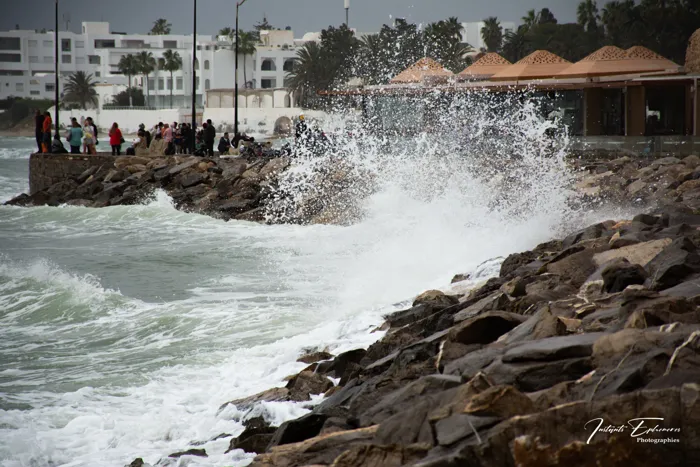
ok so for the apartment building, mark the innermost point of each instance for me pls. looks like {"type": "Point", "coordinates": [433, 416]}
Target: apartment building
{"type": "Point", "coordinates": [27, 62]}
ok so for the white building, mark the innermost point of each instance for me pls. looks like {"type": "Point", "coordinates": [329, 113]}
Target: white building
{"type": "Point", "coordinates": [471, 33]}
{"type": "Point", "coordinates": [27, 62]}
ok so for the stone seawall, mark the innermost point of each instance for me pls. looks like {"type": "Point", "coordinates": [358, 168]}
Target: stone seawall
{"type": "Point", "coordinates": [46, 170]}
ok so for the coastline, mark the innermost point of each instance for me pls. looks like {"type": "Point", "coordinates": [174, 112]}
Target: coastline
{"type": "Point", "coordinates": [509, 373]}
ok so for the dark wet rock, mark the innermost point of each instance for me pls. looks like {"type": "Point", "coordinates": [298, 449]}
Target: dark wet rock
{"type": "Point", "coordinates": [436, 299]}
{"type": "Point", "coordinates": [338, 365]}
{"type": "Point", "coordinates": [619, 273]}
{"type": "Point", "coordinates": [541, 325]}
{"type": "Point", "coordinates": [306, 383]}
{"type": "Point", "coordinates": [192, 179]}
{"type": "Point", "coordinates": [473, 362]}
{"type": "Point", "coordinates": [315, 356]}
{"type": "Point", "coordinates": [528, 376]}
{"type": "Point", "coordinates": [404, 398]}
{"type": "Point", "coordinates": [495, 301]}
{"type": "Point", "coordinates": [255, 438]}
{"type": "Point", "coordinates": [189, 452]}
{"type": "Point", "coordinates": [380, 456]}
{"type": "Point", "coordinates": [301, 429]}
{"type": "Point", "coordinates": [673, 264]}
{"type": "Point", "coordinates": [484, 328]}
{"type": "Point", "coordinates": [594, 231]}
{"type": "Point", "coordinates": [553, 348]}
{"type": "Point", "coordinates": [138, 462]}
{"type": "Point", "coordinates": [270, 395]}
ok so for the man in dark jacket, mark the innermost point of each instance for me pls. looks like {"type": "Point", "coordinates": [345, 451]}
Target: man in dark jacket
{"type": "Point", "coordinates": [224, 144]}
{"type": "Point", "coordinates": [209, 137]}
{"type": "Point", "coordinates": [39, 128]}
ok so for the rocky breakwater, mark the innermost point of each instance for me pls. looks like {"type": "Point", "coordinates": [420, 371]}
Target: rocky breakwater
{"type": "Point", "coordinates": [583, 351]}
{"type": "Point", "coordinates": [224, 188]}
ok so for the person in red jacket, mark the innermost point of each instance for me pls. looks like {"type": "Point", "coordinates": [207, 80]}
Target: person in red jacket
{"type": "Point", "coordinates": [116, 139]}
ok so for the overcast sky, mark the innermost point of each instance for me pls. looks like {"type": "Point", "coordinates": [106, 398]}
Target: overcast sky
{"type": "Point", "coordinates": [137, 16]}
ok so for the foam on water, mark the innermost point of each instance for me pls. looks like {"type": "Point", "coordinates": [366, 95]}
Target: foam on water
{"type": "Point", "coordinates": [135, 323]}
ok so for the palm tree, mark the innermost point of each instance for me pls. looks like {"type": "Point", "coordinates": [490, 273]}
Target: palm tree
{"type": "Point", "coordinates": [492, 34]}
{"type": "Point", "coordinates": [587, 15]}
{"type": "Point", "coordinates": [80, 88]}
{"type": "Point", "coordinates": [127, 66]}
{"type": "Point", "coordinates": [531, 19]}
{"type": "Point", "coordinates": [171, 62]}
{"type": "Point", "coordinates": [246, 47]}
{"type": "Point", "coordinates": [307, 74]}
{"type": "Point", "coordinates": [227, 31]}
{"type": "Point", "coordinates": [146, 65]}
{"type": "Point", "coordinates": [160, 27]}
{"type": "Point", "coordinates": [515, 44]}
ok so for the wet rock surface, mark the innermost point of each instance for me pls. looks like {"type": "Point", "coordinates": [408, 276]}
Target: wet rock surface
{"type": "Point", "coordinates": [222, 188]}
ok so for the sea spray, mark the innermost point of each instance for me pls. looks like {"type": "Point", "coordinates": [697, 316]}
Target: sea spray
{"type": "Point", "coordinates": [179, 313]}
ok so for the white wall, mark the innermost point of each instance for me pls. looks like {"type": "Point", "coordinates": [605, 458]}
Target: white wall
{"type": "Point", "coordinates": [255, 120]}
{"type": "Point", "coordinates": [128, 119]}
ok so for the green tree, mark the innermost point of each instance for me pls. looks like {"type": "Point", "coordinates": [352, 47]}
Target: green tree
{"type": "Point", "coordinates": [443, 42]}
{"type": "Point", "coordinates": [516, 45]}
{"type": "Point", "coordinates": [261, 26]}
{"type": "Point", "coordinates": [80, 89]}
{"type": "Point", "coordinates": [531, 19]}
{"type": "Point", "coordinates": [620, 20]}
{"type": "Point", "coordinates": [172, 62]}
{"type": "Point", "coordinates": [546, 17]}
{"type": "Point", "coordinates": [146, 65]}
{"type": "Point", "coordinates": [128, 66]}
{"type": "Point", "coordinates": [338, 46]}
{"type": "Point", "coordinates": [227, 31]}
{"type": "Point", "coordinates": [492, 34]}
{"type": "Point", "coordinates": [160, 27]}
{"type": "Point", "coordinates": [130, 96]}
{"type": "Point", "coordinates": [307, 74]}
{"type": "Point", "coordinates": [587, 15]}
{"type": "Point", "coordinates": [246, 46]}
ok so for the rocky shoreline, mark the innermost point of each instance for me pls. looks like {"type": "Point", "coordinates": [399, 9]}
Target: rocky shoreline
{"type": "Point", "coordinates": [222, 188]}
{"type": "Point", "coordinates": [547, 364]}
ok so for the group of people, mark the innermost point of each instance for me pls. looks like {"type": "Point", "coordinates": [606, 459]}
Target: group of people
{"type": "Point", "coordinates": [177, 138]}
{"type": "Point", "coordinates": [78, 135]}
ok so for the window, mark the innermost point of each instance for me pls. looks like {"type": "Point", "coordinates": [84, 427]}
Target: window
{"type": "Point", "coordinates": [48, 59]}
{"type": "Point", "coordinates": [268, 83]}
{"type": "Point", "coordinates": [288, 64]}
{"type": "Point", "coordinates": [161, 84]}
{"type": "Point", "coordinates": [97, 74]}
{"type": "Point", "coordinates": [14, 58]}
{"type": "Point", "coordinates": [34, 92]}
{"type": "Point", "coordinates": [206, 64]}
{"type": "Point", "coordinates": [94, 60]}
{"type": "Point", "coordinates": [49, 87]}
{"type": "Point", "coordinates": [104, 43]}
{"type": "Point", "coordinates": [65, 45]}
{"type": "Point", "coordinates": [151, 83]}
{"type": "Point", "coordinates": [178, 83]}
{"type": "Point", "coordinates": [65, 58]}
{"type": "Point", "coordinates": [196, 63]}
{"type": "Point", "coordinates": [207, 47]}
{"type": "Point", "coordinates": [19, 87]}
{"type": "Point", "coordinates": [199, 47]}
{"type": "Point", "coordinates": [170, 44]}
{"type": "Point", "coordinates": [207, 84]}
{"type": "Point", "coordinates": [32, 43]}
{"type": "Point", "coordinates": [33, 59]}
{"type": "Point", "coordinates": [79, 44]}
{"type": "Point", "coordinates": [11, 73]}
{"type": "Point", "coordinates": [268, 64]}
{"type": "Point", "coordinates": [80, 60]}
{"type": "Point", "coordinates": [48, 44]}
{"type": "Point", "coordinates": [196, 85]}
{"type": "Point", "coordinates": [9, 43]}
{"type": "Point", "coordinates": [169, 84]}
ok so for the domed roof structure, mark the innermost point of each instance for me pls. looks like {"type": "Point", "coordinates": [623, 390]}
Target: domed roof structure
{"type": "Point", "coordinates": [540, 64]}
{"type": "Point", "coordinates": [487, 66]}
{"type": "Point", "coordinates": [423, 68]}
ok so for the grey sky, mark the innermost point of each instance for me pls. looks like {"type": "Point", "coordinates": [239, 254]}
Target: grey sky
{"type": "Point", "coordinates": [137, 16]}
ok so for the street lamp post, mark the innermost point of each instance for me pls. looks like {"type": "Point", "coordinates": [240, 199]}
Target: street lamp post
{"type": "Point", "coordinates": [347, 13]}
{"type": "Point", "coordinates": [55, 39]}
{"type": "Point", "coordinates": [194, 78]}
{"type": "Point", "coordinates": [235, 104]}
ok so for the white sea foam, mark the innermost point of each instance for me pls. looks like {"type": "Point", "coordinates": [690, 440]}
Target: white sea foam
{"type": "Point", "coordinates": [138, 322]}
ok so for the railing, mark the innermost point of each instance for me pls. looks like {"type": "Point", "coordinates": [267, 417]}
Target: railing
{"type": "Point", "coordinates": [159, 107]}
{"type": "Point", "coordinates": [644, 145]}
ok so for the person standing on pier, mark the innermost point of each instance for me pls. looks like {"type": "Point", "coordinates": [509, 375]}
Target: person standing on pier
{"type": "Point", "coordinates": [88, 138]}
{"type": "Point", "coordinates": [75, 137]}
{"type": "Point", "coordinates": [46, 133]}
{"type": "Point", "coordinates": [39, 129]}
{"type": "Point", "coordinates": [209, 137]}
{"type": "Point", "coordinates": [116, 139]}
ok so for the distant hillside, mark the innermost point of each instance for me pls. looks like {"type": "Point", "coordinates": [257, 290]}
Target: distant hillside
{"type": "Point", "coordinates": [17, 113]}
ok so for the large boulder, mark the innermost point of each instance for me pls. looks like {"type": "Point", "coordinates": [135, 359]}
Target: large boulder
{"type": "Point", "coordinates": [306, 383]}
{"type": "Point", "coordinates": [673, 264]}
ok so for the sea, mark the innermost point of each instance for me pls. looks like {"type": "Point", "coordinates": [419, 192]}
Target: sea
{"type": "Point", "coordinates": [124, 329]}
